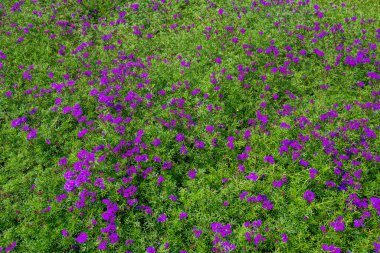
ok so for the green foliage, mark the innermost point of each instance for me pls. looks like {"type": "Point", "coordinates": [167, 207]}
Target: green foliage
{"type": "Point", "coordinates": [134, 65]}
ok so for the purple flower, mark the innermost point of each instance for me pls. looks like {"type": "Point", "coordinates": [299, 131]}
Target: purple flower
{"type": "Point", "coordinates": [241, 167]}
{"type": "Point", "coordinates": [197, 233]}
{"type": "Point", "coordinates": [65, 233]}
{"type": "Point", "coordinates": [377, 246]}
{"type": "Point", "coordinates": [359, 223]}
{"type": "Point", "coordinates": [210, 129]}
{"type": "Point", "coordinates": [318, 52]}
{"type": "Point", "coordinates": [10, 247]}
{"type": "Point", "coordinates": [258, 238]}
{"type": "Point", "coordinates": [102, 245]}
{"type": "Point", "coordinates": [331, 248]}
{"type": "Point", "coordinates": [267, 205]}
{"type": "Point", "coordinates": [284, 237]}
{"type": "Point", "coordinates": [160, 180]}
{"type": "Point", "coordinates": [135, 7]}
{"type": "Point", "coordinates": [180, 137]}
{"type": "Point", "coordinates": [269, 159]}
{"type": "Point", "coordinates": [376, 204]}
{"type": "Point", "coordinates": [167, 165]}
{"type": "Point", "coordinates": [156, 142]}
{"type": "Point", "coordinates": [18, 122]}
{"type": "Point", "coordinates": [313, 172]}
{"type": "Point", "coordinates": [338, 225]}
{"type": "Point", "coordinates": [32, 134]}
{"type": "Point", "coordinates": [151, 249]}
{"type": "Point", "coordinates": [218, 60]}
{"type": "Point", "coordinates": [199, 144]}
{"type": "Point", "coordinates": [162, 218]}
{"type": "Point", "coordinates": [192, 174]}
{"type": "Point", "coordinates": [173, 198]}
{"type": "Point", "coordinates": [252, 176]}
{"type": "Point", "coordinates": [82, 132]}
{"type": "Point", "coordinates": [247, 134]}
{"type": "Point", "coordinates": [278, 183]}
{"type": "Point", "coordinates": [284, 125]}
{"type": "Point", "coordinates": [183, 150]}
{"type": "Point", "coordinates": [82, 238]}
{"type": "Point", "coordinates": [222, 230]}
{"type": "Point", "coordinates": [127, 242]}
{"type": "Point", "coordinates": [157, 159]}
{"type": "Point", "coordinates": [183, 215]}
{"type": "Point", "coordinates": [304, 163]}
{"type": "Point", "coordinates": [309, 196]}
{"type": "Point", "coordinates": [8, 94]}
{"type": "Point", "coordinates": [373, 75]}
{"type": "Point", "coordinates": [114, 238]}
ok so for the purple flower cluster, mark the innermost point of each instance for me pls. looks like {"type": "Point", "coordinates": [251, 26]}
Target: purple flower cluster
{"type": "Point", "coordinates": [309, 196]}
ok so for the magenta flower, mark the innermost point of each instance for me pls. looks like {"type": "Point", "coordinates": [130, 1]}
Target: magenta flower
{"type": "Point", "coordinates": [284, 237]}
{"type": "Point", "coordinates": [331, 248]}
{"type": "Point", "coordinates": [258, 238]}
{"type": "Point", "coordinates": [309, 196]}
{"type": "Point", "coordinates": [338, 224]}
{"type": "Point", "coordinates": [278, 183]}
{"type": "Point", "coordinates": [114, 238]}
{"type": "Point", "coordinates": [304, 163]}
{"type": "Point", "coordinates": [102, 245]}
{"type": "Point", "coordinates": [151, 249]}
{"type": "Point", "coordinates": [82, 238]}
{"type": "Point", "coordinates": [318, 52]}
{"type": "Point", "coordinates": [162, 218]}
{"type": "Point", "coordinates": [10, 247]}
{"type": "Point", "coordinates": [160, 180]}
{"type": "Point", "coordinates": [8, 94]}
{"type": "Point", "coordinates": [183, 215]}
{"type": "Point", "coordinates": [210, 129]}
{"type": "Point", "coordinates": [373, 75]}
{"type": "Point", "coordinates": [376, 204]}
{"type": "Point", "coordinates": [267, 205]}
{"type": "Point", "coordinates": [192, 174]}
{"type": "Point", "coordinates": [65, 233]}
{"type": "Point", "coordinates": [32, 134]}
{"type": "Point", "coordinates": [173, 198]}
{"type": "Point", "coordinates": [18, 122]}
{"type": "Point", "coordinates": [167, 165]}
{"type": "Point", "coordinates": [197, 233]}
{"type": "Point", "coordinates": [180, 137]}
{"type": "Point", "coordinates": [199, 144]}
{"type": "Point", "coordinates": [269, 159]}
{"type": "Point", "coordinates": [252, 176]}
{"type": "Point", "coordinates": [359, 223]}
{"type": "Point", "coordinates": [156, 142]}
{"type": "Point", "coordinates": [135, 7]}
{"type": "Point", "coordinates": [82, 132]}
{"type": "Point", "coordinates": [313, 172]}
{"type": "Point", "coordinates": [183, 150]}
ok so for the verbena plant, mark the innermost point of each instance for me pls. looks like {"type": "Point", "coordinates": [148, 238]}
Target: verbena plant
{"type": "Point", "coordinates": [189, 126]}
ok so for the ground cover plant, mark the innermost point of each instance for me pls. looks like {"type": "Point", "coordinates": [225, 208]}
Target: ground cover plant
{"type": "Point", "coordinates": [189, 126]}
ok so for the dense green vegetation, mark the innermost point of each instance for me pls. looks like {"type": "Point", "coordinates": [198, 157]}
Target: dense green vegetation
{"type": "Point", "coordinates": [189, 126]}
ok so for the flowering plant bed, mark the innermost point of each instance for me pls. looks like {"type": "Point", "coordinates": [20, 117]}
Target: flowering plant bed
{"type": "Point", "coordinates": [189, 126]}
